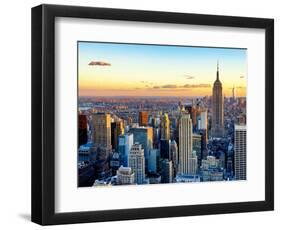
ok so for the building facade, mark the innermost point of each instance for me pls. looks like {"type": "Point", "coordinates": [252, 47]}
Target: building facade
{"type": "Point", "coordinates": [165, 127]}
{"type": "Point", "coordinates": [102, 130]}
{"type": "Point", "coordinates": [137, 163]}
{"type": "Point", "coordinates": [125, 176]}
{"type": "Point", "coordinates": [240, 150]}
{"type": "Point", "coordinates": [125, 143]}
{"type": "Point", "coordinates": [185, 142]}
{"type": "Point", "coordinates": [143, 118]}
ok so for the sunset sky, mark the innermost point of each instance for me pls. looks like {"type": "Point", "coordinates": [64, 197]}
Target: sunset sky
{"type": "Point", "coordinates": [112, 69]}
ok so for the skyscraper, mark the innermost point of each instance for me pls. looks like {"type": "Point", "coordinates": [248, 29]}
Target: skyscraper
{"type": "Point", "coordinates": [240, 149]}
{"type": "Point", "coordinates": [185, 142]}
{"type": "Point", "coordinates": [136, 162]}
{"type": "Point", "coordinates": [203, 121]}
{"type": "Point", "coordinates": [143, 118]}
{"type": "Point", "coordinates": [233, 94]}
{"type": "Point", "coordinates": [102, 130]}
{"type": "Point", "coordinates": [153, 160]}
{"type": "Point", "coordinates": [175, 156]}
{"type": "Point", "coordinates": [165, 149]}
{"type": "Point", "coordinates": [217, 108]}
{"type": "Point", "coordinates": [143, 136]}
{"type": "Point", "coordinates": [167, 171]}
{"type": "Point", "coordinates": [165, 127]}
{"type": "Point", "coordinates": [117, 128]}
{"type": "Point", "coordinates": [125, 143]}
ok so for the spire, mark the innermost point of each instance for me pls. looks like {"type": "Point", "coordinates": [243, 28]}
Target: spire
{"type": "Point", "coordinates": [218, 70]}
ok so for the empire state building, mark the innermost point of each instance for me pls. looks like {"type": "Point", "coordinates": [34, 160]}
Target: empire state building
{"type": "Point", "coordinates": [217, 129]}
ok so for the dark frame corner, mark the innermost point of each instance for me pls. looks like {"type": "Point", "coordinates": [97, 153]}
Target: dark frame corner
{"type": "Point", "coordinates": [43, 126]}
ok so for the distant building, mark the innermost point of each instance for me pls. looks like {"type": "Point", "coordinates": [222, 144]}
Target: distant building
{"type": "Point", "coordinates": [125, 143]}
{"type": "Point", "coordinates": [82, 129]}
{"type": "Point", "coordinates": [184, 178]}
{"type": "Point", "coordinates": [143, 118]}
{"type": "Point", "coordinates": [240, 150]}
{"type": "Point", "coordinates": [165, 127]}
{"type": "Point", "coordinates": [217, 108]}
{"type": "Point", "coordinates": [102, 130]}
{"type": "Point", "coordinates": [185, 142]}
{"type": "Point", "coordinates": [233, 94]}
{"type": "Point", "coordinates": [125, 175]}
{"type": "Point", "coordinates": [137, 163]}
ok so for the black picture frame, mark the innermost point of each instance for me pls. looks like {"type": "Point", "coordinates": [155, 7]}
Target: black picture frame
{"type": "Point", "coordinates": [43, 114]}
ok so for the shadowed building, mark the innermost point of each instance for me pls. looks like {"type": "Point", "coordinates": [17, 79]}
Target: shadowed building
{"type": "Point", "coordinates": [117, 129]}
{"type": "Point", "coordinates": [82, 129]}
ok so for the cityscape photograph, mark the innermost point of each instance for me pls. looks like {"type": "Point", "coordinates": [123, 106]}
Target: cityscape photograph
{"type": "Point", "coordinates": [156, 114]}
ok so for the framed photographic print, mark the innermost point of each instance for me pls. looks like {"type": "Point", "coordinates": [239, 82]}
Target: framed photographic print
{"type": "Point", "coordinates": [142, 114]}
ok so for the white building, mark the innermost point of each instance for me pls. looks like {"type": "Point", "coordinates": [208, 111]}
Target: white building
{"type": "Point", "coordinates": [137, 163]}
{"type": "Point", "coordinates": [125, 175]}
{"type": "Point", "coordinates": [240, 150]}
{"type": "Point", "coordinates": [185, 143]}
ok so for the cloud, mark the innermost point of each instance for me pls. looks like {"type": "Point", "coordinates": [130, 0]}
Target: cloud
{"type": "Point", "coordinates": [186, 86]}
{"type": "Point", "coordinates": [189, 77]}
{"type": "Point", "coordinates": [169, 86]}
{"type": "Point", "coordinates": [99, 63]}
{"type": "Point", "coordinates": [197, 86]}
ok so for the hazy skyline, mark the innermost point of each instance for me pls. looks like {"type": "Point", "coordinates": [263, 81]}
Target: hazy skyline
{"type": "Point", "coordinates": [116, 69]}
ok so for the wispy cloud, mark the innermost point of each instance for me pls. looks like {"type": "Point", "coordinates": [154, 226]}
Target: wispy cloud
{"type": "Point", "coordinates": [169, 86]}
{"type": "Point", "coordinates": [189, 77]}
{"type": "Point", "coordinates": [196, 86]}
{"type": "Point", "coordinates": [99, 63]}
{"type": "Point", "coordinates": [186, 86]}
